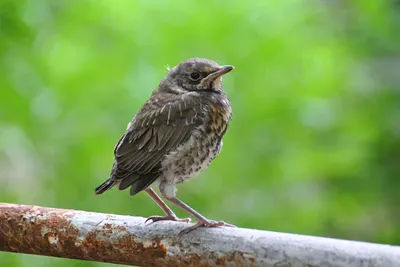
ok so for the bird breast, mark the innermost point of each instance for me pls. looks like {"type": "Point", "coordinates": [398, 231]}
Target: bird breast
{"type": "Point", "coordinates": [220, 115]}
{"type": "Point", "coordinates": [192, 157]}
{"type": "Point", "coordinates": [204, 144]}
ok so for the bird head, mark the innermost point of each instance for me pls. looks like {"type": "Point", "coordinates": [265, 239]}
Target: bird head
{"type": "Point", "coordinates": [195, 74]}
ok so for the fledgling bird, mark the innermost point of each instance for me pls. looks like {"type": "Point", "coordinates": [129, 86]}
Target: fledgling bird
{"type": "Point", "coordinates": [174, 136]}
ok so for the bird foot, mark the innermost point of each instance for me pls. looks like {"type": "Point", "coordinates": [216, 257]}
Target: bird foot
{"type": "Point", "coordinates": [166, 218]}
{"type": "Point", "coordinates": [207, 223]}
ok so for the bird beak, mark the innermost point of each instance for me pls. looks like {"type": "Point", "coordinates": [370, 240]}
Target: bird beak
{"type": "Point", "coordinates": [218, 73]}
{"type": "Point", "coordinates": [224, 70]}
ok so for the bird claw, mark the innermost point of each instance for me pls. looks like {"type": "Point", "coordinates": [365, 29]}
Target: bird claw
{"type": "Point", "coordinates": [166, 218]}
{"type": "Point", "coordinates": [207, 223]}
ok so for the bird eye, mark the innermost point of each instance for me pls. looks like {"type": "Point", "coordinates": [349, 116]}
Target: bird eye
{"type": "Point", "coordinates": [194, 76]}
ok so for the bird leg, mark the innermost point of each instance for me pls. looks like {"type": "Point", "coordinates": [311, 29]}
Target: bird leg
{"type": "Point", "coordinates": [170, 215]}
{"type": "Point", "coordinates": [201, 220]}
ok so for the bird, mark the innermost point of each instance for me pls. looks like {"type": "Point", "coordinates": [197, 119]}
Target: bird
{"type": "Point", "coordinates": [174, 137]}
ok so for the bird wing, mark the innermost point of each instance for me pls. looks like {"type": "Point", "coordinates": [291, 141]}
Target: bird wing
{"type": "Point", "coordinates": [152, 134]}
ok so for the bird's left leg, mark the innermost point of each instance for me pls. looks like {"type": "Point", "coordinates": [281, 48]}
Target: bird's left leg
{"type": "Point", "coordinates": [168, 191]}
{"type": "Point", "coordinates": [170, 215]}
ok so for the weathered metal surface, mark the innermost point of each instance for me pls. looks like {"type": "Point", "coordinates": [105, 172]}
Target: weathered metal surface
{"type": "Point", "coordinates": [101, 237]}
{"type": "Point", "coordinates": [127, 240]}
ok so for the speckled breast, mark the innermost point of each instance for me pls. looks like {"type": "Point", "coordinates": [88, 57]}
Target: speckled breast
{"type": "Point", "coordinates": [220, 115]}
{"type": "Point", "coordinates": [189, 159]}
{"type": "Point", "coordinates": [193, 157]}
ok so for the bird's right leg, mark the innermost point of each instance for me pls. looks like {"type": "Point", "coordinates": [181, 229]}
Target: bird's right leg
{"type": "Point", "coordinates": [165, 190]}
{"type": "Point", "coordinates": [170, 215]}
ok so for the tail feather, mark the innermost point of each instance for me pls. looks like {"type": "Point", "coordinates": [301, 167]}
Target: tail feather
{"type": "Point", "coordinates": [104, 186]}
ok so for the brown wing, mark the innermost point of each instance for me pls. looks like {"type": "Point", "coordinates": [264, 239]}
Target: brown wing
{"type": "Point", "coordinates": [157, 129]}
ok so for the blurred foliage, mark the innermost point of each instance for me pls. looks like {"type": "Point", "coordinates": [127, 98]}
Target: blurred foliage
{"type": "Point", "coordinates": [314, 146]}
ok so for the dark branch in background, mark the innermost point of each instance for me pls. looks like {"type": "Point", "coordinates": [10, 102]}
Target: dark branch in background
{"type": "Point", "coordinates": [127, 240]}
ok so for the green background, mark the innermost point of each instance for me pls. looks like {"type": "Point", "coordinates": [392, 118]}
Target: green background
{"type": "Point", "coordinates": [314, 145]}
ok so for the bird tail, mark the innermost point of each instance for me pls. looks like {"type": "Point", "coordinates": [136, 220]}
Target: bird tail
{"type": "Point", "coordinates": [104, 186]}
